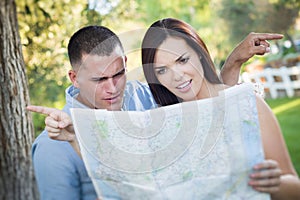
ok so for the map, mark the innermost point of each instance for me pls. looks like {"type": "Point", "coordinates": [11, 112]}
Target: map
{"type": "Point", "coordinates": [201, 149]}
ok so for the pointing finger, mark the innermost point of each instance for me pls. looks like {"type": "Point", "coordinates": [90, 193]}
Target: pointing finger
{"type": "Point", "coordinates": [41, 109]}
{"type": "Point", "coordinates": [268, 36]}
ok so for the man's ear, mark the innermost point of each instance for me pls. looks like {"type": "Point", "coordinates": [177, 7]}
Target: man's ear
{"type": "Point", "coordinates": [73, 77]}
{"type": "Point", "coordinates": [125, 62]}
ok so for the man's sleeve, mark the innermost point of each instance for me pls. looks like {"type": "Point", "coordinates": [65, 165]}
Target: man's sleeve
{"type": "Point", "coordinates": [55, 171]}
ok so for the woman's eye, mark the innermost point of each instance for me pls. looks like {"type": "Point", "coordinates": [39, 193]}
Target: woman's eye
{"type": "Point", "coordinates": [184, 60]}
{"type": "Point", "coordinates": [161, 71]}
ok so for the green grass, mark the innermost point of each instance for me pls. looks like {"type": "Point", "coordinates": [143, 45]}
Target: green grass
{"type": "Point", "coordinates": [287, 111]}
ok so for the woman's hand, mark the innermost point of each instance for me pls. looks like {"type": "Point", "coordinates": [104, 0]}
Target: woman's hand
{"type": "Point", "coordinates": [253, 44]}
{"type": "Point", "coordinates": [266, 177]}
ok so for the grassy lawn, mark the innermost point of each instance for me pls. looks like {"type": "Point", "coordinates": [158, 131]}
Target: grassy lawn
{"type": "Point", "coordinates": [287, 111]}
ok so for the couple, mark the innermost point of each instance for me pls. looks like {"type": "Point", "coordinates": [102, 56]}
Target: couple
{"type": "Point", "coordinates": [99, 80]}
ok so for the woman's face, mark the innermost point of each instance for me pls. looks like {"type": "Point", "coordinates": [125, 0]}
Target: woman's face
{"type": "Point", "coordinates": [178, 68]}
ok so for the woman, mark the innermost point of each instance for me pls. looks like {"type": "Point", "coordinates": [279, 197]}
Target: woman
{"type": "Point", "coordinates": [178, 68]}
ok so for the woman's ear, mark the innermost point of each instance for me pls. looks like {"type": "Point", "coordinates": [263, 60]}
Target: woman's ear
{"type": "Point", "coordinates": [73, 77]}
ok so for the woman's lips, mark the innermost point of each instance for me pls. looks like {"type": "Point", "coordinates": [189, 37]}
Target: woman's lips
{"type": "Point", "coordinates": [184, 87]}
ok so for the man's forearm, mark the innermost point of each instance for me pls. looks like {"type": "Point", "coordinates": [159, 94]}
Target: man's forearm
{"type": "Point", "coordinates": [74, 143]}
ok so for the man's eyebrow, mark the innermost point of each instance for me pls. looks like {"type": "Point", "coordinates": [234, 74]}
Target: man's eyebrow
{"type": "Point", "coordinates": [106, 77]}
{"type": "Point", "coordinates": [119, 73]}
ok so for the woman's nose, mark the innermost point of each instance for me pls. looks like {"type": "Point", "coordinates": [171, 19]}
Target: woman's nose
{"type": "Point", "coordinates": [178, 74]}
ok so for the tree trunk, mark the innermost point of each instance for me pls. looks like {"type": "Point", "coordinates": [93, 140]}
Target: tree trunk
{"type": "Point", "coordinates": [16, 131]}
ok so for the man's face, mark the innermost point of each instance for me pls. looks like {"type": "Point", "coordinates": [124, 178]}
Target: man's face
{"type": "Point", "coordinates": [102, 80]}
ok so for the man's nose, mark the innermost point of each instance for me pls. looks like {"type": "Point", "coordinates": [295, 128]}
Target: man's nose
{"type": "Point", "coordinates": [110, 85]}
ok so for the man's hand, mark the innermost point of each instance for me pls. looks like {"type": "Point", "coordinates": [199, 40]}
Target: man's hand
{"type": "Point", "coordinates": [58, 123]}
{"type": "Point", "coordinates": [253, 44]}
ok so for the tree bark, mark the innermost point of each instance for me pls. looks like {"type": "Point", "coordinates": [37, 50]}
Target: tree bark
{"type": "Point", "coordinates": [16, 131]}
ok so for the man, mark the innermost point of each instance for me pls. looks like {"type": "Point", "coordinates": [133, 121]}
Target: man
{"type": "Point", "coordinates": [99, 82]}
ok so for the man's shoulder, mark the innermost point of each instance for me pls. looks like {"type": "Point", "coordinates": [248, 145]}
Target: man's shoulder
{"type": "Point", "coordinates": [43, 138]}
{"type": "Point", "coordinates": [137, 85]}
{"type": "Point", "coordinates": [47, 147]}
{"type": "Point", "coordinates": [138, 88]}
{"type": "Point", "coordinates": [137, 96]}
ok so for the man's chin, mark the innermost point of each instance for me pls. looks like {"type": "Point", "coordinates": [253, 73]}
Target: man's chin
{"type": "Point", "coordinates": [114, 107]}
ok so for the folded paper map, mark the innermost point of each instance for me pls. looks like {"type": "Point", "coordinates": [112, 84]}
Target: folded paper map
{"type": "Point", "coordinates": [201, 149]}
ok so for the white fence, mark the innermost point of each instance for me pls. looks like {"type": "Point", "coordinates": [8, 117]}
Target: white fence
{"type": "Point", "coordinates": [276, 80]}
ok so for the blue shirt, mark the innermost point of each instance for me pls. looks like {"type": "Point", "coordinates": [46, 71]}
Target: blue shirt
{"type": "Point", "coordinates": [59, 171]}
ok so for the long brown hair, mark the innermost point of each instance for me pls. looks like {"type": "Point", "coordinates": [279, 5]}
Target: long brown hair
{"type": "Point", "coordinates": [157, 33]}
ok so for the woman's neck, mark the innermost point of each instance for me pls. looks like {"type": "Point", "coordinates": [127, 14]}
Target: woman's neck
{"type": "Point", "coordinates": [209, 90]}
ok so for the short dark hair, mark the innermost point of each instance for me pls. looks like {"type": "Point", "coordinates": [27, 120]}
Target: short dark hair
{"type": "Point", "coordinates": [158, 32]}
{"type": "Point", "coordinates": [95, 40]}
